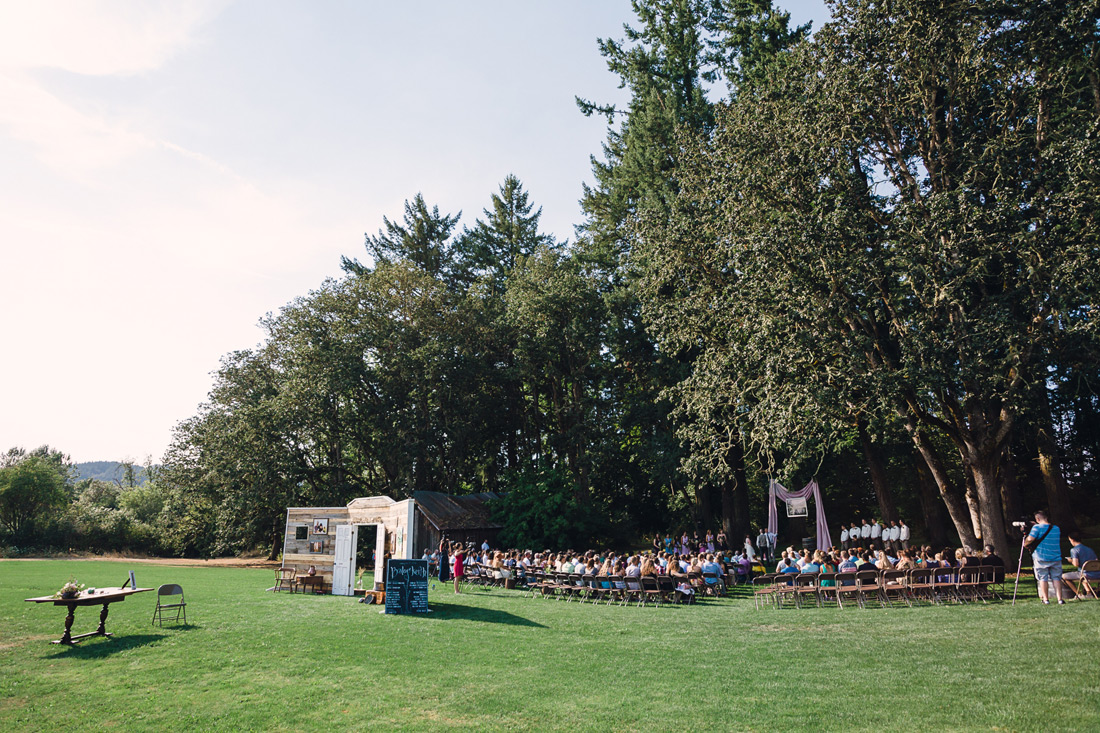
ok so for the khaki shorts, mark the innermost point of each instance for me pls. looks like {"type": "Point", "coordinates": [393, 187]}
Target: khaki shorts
{"type": "Point", "coordinates": [1048, 570]}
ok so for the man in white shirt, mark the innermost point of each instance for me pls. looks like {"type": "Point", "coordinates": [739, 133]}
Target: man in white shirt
{"type": "Point", "coordinates": [903, 534]}
{"type": "Point", "coordinates": [865, 534]}
{"type": "Point", "coordinates": [895, 537]}
{"type": "Point", "coordinates": [876, 534]}
{"type": "Point", "coordinates": [843, 537]}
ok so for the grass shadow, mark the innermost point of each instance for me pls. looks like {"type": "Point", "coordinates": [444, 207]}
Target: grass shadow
{"type": "Point", "coordinates": [179, 627]}
{"type": "Point", "coordinates": [482, 615]}
{"type": "Point", "coordinates": [103, 647]}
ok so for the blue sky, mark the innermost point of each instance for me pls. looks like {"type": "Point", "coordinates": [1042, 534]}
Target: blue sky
{"type": "Point", "coordinates": [175, 170]}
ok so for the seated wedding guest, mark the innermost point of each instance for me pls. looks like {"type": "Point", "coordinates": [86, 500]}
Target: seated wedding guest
{"type": "Point", "coordinates": [648, 568]}
{"type": "Point", "coordinates": [782, 562]}
{"type": "Point", "coordinates": [1079, 554]}
{"type": "Point", "coordinates": [789, 567]}
{"type": "Point", "coordinates": [813, 564]}
{"type": "Point", "coordinates": [865, 561]}
{"type": "Point", "coordinates": [883, 562]}
{"type": "Point", "coordinates": [499, 570]}
{"type": "Point", "coordinates": [905, 561]}
{"type": "Point", "coordinates": [965, 560]}
{"type": "Point", "coordinates": [633, 570]}
{"type": "Point", "coordinates": [991, 558]}
{"type": "Point", "coordinates": [847, 563]}
{"type": "Point", "coordinates": [828, 565]}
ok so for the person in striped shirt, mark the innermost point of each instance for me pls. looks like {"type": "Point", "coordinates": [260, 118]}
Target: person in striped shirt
{"type": "Point", "coordinates": [1045, 543]}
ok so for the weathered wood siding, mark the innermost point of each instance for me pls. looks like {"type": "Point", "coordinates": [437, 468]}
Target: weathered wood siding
{"type": "Point", "coordinates": [296, 552]}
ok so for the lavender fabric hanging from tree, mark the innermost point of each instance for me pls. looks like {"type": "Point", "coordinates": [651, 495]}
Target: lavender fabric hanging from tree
{"type": "Point", "coordinates": [776, 490]}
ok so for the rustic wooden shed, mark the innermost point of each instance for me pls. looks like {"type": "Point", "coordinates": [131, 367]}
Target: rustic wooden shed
{"type": "Point", "coordinates": [463, 518]}
{"type": "Point", "coordinates": [328, 537]}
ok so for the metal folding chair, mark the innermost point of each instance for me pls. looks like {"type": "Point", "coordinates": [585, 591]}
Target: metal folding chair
{"type": "Point", "coordinates": [180, 607]}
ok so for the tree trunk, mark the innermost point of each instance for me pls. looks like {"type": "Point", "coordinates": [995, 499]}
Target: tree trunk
{"type": "Point", "coordinates": [984, 467]}
{"type": "Point", "coordinates": [935, 517]}
{"type": "Point", "coordinates": [704, 507]}
{"type": "Point", "coordinates": [952, 497]}
{"type": "Point", "coordinates": [887, 508]}
{"type": "Point", "coordinates": [972, 501]}
{"type": "Point", "coordinates": [277, 529]}
{"type": "Point", "coordinates": [1010, 488]}
{"type": "Point", "coordinates": [735, 494]}
{"type": "Point", "coordinates": [1050, 466]}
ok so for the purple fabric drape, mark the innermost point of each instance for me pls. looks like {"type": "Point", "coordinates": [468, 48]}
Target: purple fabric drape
{"type": "Point", "coordinates": [776, 490]}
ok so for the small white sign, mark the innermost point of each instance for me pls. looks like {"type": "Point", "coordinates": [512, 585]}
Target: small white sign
{"type": "Point", "coordinates": [797, 508]}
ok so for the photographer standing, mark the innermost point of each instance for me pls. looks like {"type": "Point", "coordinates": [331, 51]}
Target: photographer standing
{"type": "Point", "coordinates": [1045, 543]}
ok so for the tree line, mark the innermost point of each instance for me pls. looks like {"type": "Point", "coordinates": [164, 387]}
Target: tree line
{"type": "Point", "coordinates": [867, 255]}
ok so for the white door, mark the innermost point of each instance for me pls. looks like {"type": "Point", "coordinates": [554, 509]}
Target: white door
{"type": "Point", "coordinates": [343, 566]}
{"type": "Point", "coordinates": [380, 554]}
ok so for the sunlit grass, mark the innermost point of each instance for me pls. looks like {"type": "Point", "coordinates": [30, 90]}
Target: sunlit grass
{"type": "Point", "coordinates": [493, 659]}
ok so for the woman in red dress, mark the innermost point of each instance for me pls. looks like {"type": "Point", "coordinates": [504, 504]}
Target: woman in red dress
{"type": "Point", "coordinates": [460, 563]}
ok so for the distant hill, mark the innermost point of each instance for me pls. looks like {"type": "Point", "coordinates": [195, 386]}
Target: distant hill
{"type": "Point", "coordinates": [107, 471]}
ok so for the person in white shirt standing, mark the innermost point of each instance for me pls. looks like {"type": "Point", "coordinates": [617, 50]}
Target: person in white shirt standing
{"type": "Point", "coordinates": [876, 534]}
{"type": "Point", "coordinates": [865, 534]}
{"type": "Point", "coordinates": [895, 537]}
{"type": "Point", "coordinates": [903, 535]}
{"type": "Point", "coordinates": [843, 537]}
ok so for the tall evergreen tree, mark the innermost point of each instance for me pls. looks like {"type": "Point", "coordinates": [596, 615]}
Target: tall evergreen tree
{"type": "Point", "coordinates": [666, 62]}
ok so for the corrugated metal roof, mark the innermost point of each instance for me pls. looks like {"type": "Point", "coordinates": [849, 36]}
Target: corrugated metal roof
{"type": "Point", "coordinates": [447, 511]}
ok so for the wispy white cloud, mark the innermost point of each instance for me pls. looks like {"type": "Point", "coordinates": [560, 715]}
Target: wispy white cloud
{"type": "Point", "coordinates": [90, 38]}
{"type": "Point", "coordinates": [99, 37]}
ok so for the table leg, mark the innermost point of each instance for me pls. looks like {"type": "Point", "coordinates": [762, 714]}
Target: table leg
{"type": "Point", "coordinates": [67, 637]}
{"type": "Point", "coordinates": [102, 630]}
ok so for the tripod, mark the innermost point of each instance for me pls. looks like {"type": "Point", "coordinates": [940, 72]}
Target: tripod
{"type": "Point", "coordinates": [1019, 569]}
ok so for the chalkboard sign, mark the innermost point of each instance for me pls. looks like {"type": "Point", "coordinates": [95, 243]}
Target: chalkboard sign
{"type": "Point", "coordinates": [406, 586]}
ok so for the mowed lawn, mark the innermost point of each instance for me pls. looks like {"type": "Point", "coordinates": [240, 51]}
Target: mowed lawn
{"type": "Point", "coordinates": [495, 660]}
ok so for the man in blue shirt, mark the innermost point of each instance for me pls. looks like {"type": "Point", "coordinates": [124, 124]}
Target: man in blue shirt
{"type": "Point", "coordinates": [1045, 543]}
{"type": "Point", "coordinates": [1079, 555]}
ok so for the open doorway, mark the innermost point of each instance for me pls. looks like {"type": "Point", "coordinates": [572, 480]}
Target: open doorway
{"type": "Point", "coordinates": [364, 554]}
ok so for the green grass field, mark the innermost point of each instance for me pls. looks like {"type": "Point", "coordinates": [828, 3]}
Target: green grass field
{"type": "Point", "coordinates": [495, 660]}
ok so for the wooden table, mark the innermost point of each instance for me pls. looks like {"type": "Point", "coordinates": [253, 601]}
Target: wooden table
{"type": "Point", "coordinates": [316, 581]}
{"type": "Point", "coordinates": [101, 597]}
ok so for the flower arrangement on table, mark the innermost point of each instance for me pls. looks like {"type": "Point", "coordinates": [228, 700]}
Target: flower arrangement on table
{"type": "Point", "coordinates": [69, 590]}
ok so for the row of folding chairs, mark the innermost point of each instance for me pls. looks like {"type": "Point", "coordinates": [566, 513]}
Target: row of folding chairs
{"type": "Point", "coordinates": [885, 587]}
{"type": "Point", "coordinates": [624, 589]}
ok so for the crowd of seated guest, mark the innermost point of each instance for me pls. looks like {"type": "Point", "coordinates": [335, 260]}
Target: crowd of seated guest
{"type": "Point", "coordinates": [715, 567]}
{"type": "Point", "coordinates": [857, 559]}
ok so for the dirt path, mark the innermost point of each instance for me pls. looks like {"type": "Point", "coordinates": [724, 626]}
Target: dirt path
{"type": "Point", "coordinates": [217, 562]}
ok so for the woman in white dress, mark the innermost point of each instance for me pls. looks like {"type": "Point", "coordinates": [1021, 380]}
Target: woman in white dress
{"type": "Point", "coordinates": [750, 553]}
